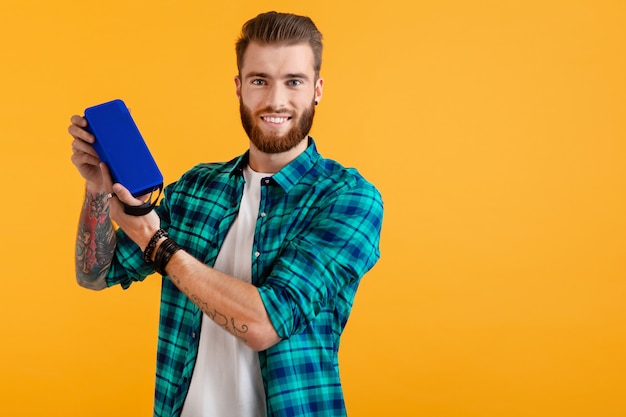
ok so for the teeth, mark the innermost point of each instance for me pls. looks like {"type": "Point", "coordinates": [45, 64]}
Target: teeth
{"type": "Point", "coordinates": [276, 119]}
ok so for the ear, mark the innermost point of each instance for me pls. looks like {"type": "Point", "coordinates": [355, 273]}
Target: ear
{"type": "Point", "coordinates": [319, 86]}
{"type": "Point", "coordinates": [238, 86]}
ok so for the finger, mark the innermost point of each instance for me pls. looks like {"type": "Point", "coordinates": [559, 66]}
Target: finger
{"type": "Point", "coordinates": [81, 134]}
{"type": "Point", "coordinates": [78, 132]}
{"type": "Point", "coordinates": [125, 196]}
{"type": "Point", "coordinates": [144, 198]}
{"type": "Point", "coordinates": [79, 146]}
{"type": "Point", "coordinates": [121, 192]}
{"type": "Point", "coordinates": [78, 120]}
{"type": "Point", "coordinates": [82, 158]}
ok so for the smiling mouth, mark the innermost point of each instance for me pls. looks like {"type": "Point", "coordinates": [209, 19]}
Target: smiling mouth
{"type": "Point", "coordinates": [276, 120]}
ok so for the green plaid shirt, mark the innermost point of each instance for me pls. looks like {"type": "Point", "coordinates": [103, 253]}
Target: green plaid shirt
{"type": "Point", "coordinates": [316, 235]}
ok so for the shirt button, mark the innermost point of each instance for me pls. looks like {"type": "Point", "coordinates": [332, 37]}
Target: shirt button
{"type": "Point", "coordinates": [263, 214]}
{"type": "Point", "coordinates": [193, 335]}
{"type": "Point", "coordinates": [257, 254]}
{"type": "Point", "coordinates": [267, 180]}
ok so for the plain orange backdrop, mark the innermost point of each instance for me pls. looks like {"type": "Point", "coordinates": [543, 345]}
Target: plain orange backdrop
{"type": "Point", "coordinates": [495, 131]}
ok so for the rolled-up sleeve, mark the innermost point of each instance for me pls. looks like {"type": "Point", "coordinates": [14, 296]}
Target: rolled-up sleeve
{"type": "Point", "coordinates": [338, 246]}
{"type": "Point", "coordinates": [128, 265]}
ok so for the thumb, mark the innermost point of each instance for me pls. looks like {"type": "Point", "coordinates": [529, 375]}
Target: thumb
{"type": "Point", "coordinates": [125, 196]}
{"type": "Point", "coordinates": [121, 192]}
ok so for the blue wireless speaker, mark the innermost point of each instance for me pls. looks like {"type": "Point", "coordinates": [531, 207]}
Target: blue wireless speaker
{"type": "Point", "coordinates": [120, 145]}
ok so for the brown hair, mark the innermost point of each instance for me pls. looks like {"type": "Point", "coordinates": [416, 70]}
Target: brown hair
{"type": "Point", "coordinates": [273, 28]}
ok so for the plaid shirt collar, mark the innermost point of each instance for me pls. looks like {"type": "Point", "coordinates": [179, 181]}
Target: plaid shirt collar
{"type": "Point", "coordinates": [291, 173]}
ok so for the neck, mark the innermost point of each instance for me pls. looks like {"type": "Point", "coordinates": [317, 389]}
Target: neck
{"type": "Point", "coordinates": [273, 162]}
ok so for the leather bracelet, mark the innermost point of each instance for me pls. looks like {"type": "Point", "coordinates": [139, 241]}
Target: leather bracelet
{"type": "Point", "coordinates": [147, 253]}
{"type": "Point", "coordinates": [165, 252]}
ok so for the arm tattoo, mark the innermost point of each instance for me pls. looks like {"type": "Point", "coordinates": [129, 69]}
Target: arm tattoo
{"type": "Point", "coordinates": [231, 327]}
{"type": "Point", "coordinates": [220, 319]}
{"type": "Point", "coordinates": [95, 242]}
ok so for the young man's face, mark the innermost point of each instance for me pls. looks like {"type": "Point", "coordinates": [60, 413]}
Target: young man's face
{"type": "Point", "coordinates": [277, 93]}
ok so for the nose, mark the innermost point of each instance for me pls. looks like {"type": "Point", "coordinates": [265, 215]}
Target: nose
{"type": "Point", "coordinates": [276, 97]}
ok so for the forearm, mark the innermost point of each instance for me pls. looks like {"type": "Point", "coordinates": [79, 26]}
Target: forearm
{"type": "Point", "coordinates": [95, 241]}
{"type": "Point", "coordinates": [231, 303]}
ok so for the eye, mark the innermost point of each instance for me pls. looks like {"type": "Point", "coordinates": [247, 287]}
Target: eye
{"type": "Point", "coordinates": [258, 81]}
{"type": "Point", "coordinates": [294, 83]}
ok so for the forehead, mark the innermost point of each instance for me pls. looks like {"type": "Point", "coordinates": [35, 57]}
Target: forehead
{"type": "Point", "coordinates": [278, 59]}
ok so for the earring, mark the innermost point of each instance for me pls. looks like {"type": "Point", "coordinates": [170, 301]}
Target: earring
{"type": "Point", "coordinates": [316, 102]}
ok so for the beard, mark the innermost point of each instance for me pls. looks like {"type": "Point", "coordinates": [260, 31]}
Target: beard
{"type": "Point", "coordinates": [276, 143]}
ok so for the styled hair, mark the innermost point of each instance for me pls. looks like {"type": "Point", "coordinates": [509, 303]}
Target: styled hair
{"type": "Point", "coordinates": [273, 28]}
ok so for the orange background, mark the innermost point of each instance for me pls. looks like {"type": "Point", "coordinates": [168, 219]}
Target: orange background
{"type": "Point", "coordinates": [495, 131]}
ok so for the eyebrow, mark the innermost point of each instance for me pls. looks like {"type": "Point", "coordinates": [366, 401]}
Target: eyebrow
{"type": "Point", "coordinates": [285, 77]}
{"type": "Point", "coordinates": [296, 75]}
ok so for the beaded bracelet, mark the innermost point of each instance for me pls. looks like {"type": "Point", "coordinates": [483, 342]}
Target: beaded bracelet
{"type": "Point", "coordinates": [165, 252]}
{"type": "Point", "coordinates": [147, 253]}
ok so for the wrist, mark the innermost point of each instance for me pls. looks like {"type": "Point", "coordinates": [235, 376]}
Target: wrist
{"type": "Point", "coordinates": [149, 251]}
{"type": "Point", "coordinates": [156, 247]}
{"type": "Point", "coordinates": [94, 189]}
{"type": "Point", "coordinates": [164, 254]}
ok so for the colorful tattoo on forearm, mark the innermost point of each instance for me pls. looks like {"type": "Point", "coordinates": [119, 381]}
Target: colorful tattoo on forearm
{"type": "Point", "coordinates": [95, 242]}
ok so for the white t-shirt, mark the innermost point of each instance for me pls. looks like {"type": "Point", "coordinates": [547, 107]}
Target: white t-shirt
{"type": "Point", "coordinates": [226, 380]}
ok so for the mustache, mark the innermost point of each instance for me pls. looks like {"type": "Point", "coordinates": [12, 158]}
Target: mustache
{"type": "Point", "coordinates": [270, 109]}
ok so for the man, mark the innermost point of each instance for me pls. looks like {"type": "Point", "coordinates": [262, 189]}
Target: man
{"type": "Point", "coordinates": [261, 256]}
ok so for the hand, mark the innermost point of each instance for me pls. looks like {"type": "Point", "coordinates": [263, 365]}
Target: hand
{"type": "Point", "coordinates": [139, 228]}
{"type": "Point", "coordinates": [84, 156]}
